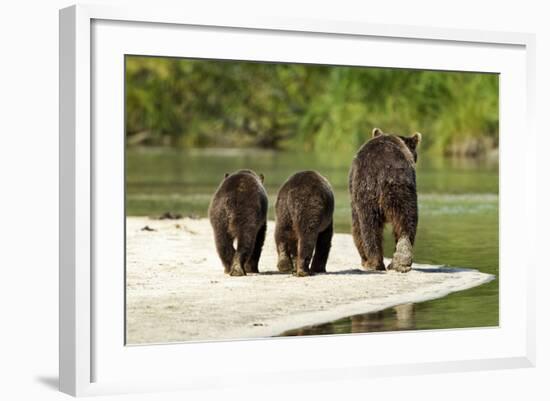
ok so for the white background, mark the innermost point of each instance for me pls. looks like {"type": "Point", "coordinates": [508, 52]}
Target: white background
{"type": "Point", "coordinates": [29, 215]}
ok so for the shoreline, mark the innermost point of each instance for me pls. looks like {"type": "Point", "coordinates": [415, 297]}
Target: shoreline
{"type": "Point", "coordinates": [175, 295]}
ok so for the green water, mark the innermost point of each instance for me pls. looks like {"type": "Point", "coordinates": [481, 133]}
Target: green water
{"type": "Point", "coordinates": [458, 219]}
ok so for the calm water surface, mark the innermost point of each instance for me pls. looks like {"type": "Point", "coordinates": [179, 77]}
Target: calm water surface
{"type": "Point", "coordinates": [458, 219]}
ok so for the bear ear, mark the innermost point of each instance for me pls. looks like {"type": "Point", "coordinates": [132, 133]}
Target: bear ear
{"type": "Point", "coordinates": [261, 177]}
{"type": "Point", "coordinates": [417, 138]}
{"type": "Point", "coordinates": [376, 132]}
{"type": "Point", "coordinates": [226, 175]}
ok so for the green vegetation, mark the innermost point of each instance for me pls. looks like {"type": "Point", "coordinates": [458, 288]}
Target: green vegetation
{"type": "Point", "coordinates": [204, 103]}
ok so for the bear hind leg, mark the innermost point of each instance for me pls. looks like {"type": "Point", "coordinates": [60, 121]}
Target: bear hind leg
{"type": "Point", "coordinates": [251, 266]}
{"type": "Point", "coordinates": [404, 232]}
{"type": "Point", "coordinates": [306, 245]}
{"type": "Point", "coordinates": [245, 248]}
{"type": "Point", "coordinates": [224, 246]}
{"type": "Point", "coordinates": [322, 249]}
{"type": "Point", "coordinates": [402, 257]}
{"type": "Point", "coordinates": [357, 239]}
{"type": "Point", "coordinates": [285, 242]}
{"type": "Point", "coordinates": [372, 231]}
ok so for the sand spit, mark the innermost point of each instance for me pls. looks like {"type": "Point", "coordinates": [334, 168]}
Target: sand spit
{"type": "Point", "coordinates": [177, 291]}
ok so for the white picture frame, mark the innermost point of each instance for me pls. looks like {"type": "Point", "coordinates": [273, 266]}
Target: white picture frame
{"type": "Point", "coordinates": [93, 360]}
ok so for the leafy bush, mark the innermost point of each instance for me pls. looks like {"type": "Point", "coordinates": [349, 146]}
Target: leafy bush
{"type": "Point", "coordinates": [210, 103]}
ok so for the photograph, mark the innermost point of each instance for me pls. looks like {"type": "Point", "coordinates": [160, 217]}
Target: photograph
{"type": "Point", "coordinates": [271, 199]}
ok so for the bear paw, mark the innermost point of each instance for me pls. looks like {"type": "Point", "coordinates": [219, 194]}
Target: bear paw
{"type": "Point", "coordinates": [399, 268]}
{"type": "Point", "coordinates": [317, 269]}
{"type": "Point", "coordinates": [285, 265]}
{"type": "Point", "coordinates": [251, 267]}
{"type": "Point", "coordinates": [237, 270]}
{"type": "Point", "coordinates": [402, 257]}
{"type": "Point", "coordinates": [302, 273]}
{"type": "Point", "coordinates": [373, 266]}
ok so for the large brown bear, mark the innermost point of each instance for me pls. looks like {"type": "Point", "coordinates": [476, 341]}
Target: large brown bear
{"type": "Point", "coordinates": [238, 211]}
{"type": "Point", "coordinates": [304, 209]}
{"type": "Point", "coordinates": [382, 185]}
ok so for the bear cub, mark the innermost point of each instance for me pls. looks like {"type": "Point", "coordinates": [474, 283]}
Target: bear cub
{"type": "Point", "coordinates": [238, 212]}
{"type": "Point", "coordinates": [382, 185]}
{"type": "Point", "coordinates": [304, 209]}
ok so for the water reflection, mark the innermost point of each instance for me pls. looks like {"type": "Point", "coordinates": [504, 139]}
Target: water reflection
{"type": "Point", "coordinates": [400, 317]}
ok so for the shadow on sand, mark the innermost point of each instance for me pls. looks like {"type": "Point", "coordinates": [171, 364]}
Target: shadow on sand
{"type": "Point", "coordinates": [329, 273]}
{"type": "Point", "coordinates": [442, 269]}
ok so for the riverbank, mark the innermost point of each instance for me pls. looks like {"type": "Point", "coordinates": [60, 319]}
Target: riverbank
{"type": "Point", "coordinates": [176, 289]}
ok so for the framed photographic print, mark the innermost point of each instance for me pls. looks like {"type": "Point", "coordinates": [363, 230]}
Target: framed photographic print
{"type": "Point", "coordinates": [274, 197]}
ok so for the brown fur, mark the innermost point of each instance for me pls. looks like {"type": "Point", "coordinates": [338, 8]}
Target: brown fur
{"type": "Point", "coordinates": [304, 208]}
{"type": "Point", "coordinates": [382, 185]}
{"type": "Point", "coordinates": [238, 211]}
